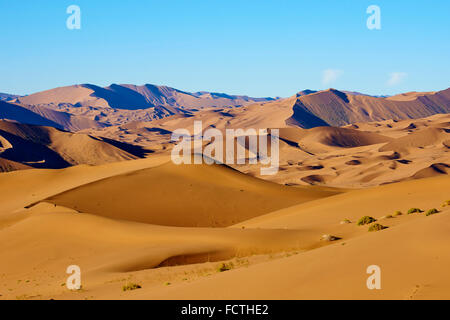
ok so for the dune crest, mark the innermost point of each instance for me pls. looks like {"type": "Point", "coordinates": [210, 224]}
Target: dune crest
{"type": "Point", "coordinates": [47, 147]}
{"type": "Point", "coordinates": [184, 196]}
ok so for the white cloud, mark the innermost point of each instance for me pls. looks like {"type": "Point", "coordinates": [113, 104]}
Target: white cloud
{"type": "Point", "coordinates": [396, 78]}
{"type": "Point", "coordinates": [330, 76]}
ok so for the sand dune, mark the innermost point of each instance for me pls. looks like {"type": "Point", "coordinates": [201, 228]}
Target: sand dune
{"type": "Point", "coordinates": [409, 96]}
{"type": "Point", "coordinates": [47, 147]}
{"type": "Point", "coordinates": [8, 165]}
{"type": "Point", "coordinates": [115, 251]}
{"type": "Point", "coordinates": [421, 139]}
{"type": "Point", "coordinates": [20, 189]}
{"type": "Point", "coordinates": [67, 120]}
{"type": "Point", "coordinates": [308, 110]}
{"type": "Point", "coordinates": [435, 169]}
{"type": "Point", "coordinates": [14, 112]}
{"type": "Point", "coordinates": [8, 97]}
{"type": "Point", "coordinates": [209, 232]}
{"type": "Point", "coordinates": [185, 195]}
{"type": "Point", "coordinates": [338, 271]}
{"type": "Point", "coordinates": [121, 245]}
{"type": "Point", "coordinates": [328, 212]}
{"type": "Point", "coordinates": [37, 115]}
{"type": "Point", "coordinates": [337, 108]}
{"type": "Point", "coordinates": [361, 155]}
{"type": "Point", "coordinates": [121, 251]}
{"type": "Point", "coordinates": [120, 104]}
{"type": "Point", "coordinates": [129, 96]}
{"type": "Point", "coordinates": [410, 269]}
{"type": "Point", "coordinates": [322, 139]}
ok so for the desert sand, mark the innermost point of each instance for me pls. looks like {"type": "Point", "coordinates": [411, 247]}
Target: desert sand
{"type": "Point", "coordinates": [105, 196]}
{"type": "Point", "coordinates": [276, 246]}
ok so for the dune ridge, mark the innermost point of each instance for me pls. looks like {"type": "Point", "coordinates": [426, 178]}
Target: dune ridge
{"type": "Point", "coordinates": [201, 196]}
{"type": "Point", "coordinates": [47, 147]}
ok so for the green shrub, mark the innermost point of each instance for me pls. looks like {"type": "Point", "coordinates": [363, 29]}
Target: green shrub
{"type": "Point", "coordinates": [225, 267]}
{"type": "Point", "coordinates": [376, 227]}
{"type": "Point", "coordinates": [432, 211]}
{"type": "Point", "coordinates": [365, 220]}
{"type": "Point", "coordinates": [414, 210]}
{"type": "Point", "coordinates": [131, 286]}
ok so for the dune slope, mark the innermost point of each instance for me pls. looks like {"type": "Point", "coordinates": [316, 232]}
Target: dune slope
{"type": "Point", "coordinates": [413, 259]}
{"type": "Point", "coordinates": [47, 147]}
{"type": "Point", "coordinates": [185, 195]}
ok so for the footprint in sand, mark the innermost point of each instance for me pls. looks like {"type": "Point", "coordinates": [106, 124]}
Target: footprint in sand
{"type": "Point", "coordinates": [415, 291]}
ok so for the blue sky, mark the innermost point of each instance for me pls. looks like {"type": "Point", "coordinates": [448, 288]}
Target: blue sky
{"type": "Point", "coordinates": [257, 48]}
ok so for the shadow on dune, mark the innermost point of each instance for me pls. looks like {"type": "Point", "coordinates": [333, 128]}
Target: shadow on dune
{"type": "Point", "coordinates": [135, 150]}
{"type": "Point", "coordinates": [31, 153]}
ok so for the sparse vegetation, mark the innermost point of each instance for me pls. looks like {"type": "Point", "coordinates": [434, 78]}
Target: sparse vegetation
{"type": "Point", "coordinates": [431, 212]}
{"type": "Point", "coordinates": [397, 213]}
{"type": "Point", "coordinates": [365, 220]}
{"type": "Point", "coordinates": [225, 267]}
{"type": "Point", "coordinates": [414, 210]}
{"type": "Point", "coordinates": [328, 237]}
{"type": "Point", "coordinates": [446, 203]}
{"type": "Point", "coordinates": [242, 261]}
{"type": "Point", "coordinates": [131, 286]}
{"type": "Point", "coordinates": [376, 227]}
{"type": "Point", "coordinates": [389, 216]}
{"type": "Point", "coordinates": [346, 221]}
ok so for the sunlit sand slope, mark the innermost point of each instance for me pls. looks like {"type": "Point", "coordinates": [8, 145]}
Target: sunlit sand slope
{"type": "Point", "coordinates": [186, 195]}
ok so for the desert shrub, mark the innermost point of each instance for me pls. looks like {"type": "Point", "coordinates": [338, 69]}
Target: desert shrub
{"type": "Point", "coordinates": [432, 211]}
{"type": "Point", "coordinates": [397, 213]}
{"type": "Point", "coordinates": [345, 221]}
{"type": "Point", "coordinates": [328, 237]}
{"type": "Point", "coordinates": [414, 210]}
{"type": "Point", "coordinates": [446, 203]}
{"type": "Point", "coordinates": [131, 286]}
{"type": "Point", "coordinates": [365, 220]}
{"type": "Point", "coordinates": [376, 227]}
{"type": "Point", "coordinates": [389, 216]}
{"type": "Point", "coordinates": [225, 267]}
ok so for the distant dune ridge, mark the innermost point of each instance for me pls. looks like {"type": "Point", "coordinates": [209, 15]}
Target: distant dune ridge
{"type": "Point", "coordinates": [12, 111]}
{"type": "Point", "coordinates": [7, 97]}
{"type": "Point", "coordinates": [147, 102]}
{"type": "Point", "coordinates": [120, 104]}
{"type": "Point", "coordinates": [48, 147]}
{"type": "Point", "coordinates": [337, 108]}
{"type": "Point", "coordinates": [39, 115]}
{"type": "Point", "coordinates": [129, 96]}
{"type": "Point", "coordinates": [330, 137]}
{"type": "Point", "coordinates": [363, 154]}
